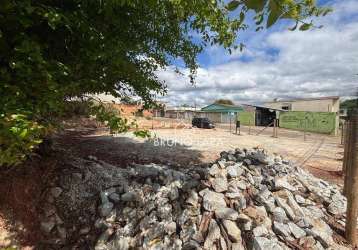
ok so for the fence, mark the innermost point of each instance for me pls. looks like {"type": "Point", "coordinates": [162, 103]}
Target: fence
{"type": "Point", "coordinates": [247, 118]}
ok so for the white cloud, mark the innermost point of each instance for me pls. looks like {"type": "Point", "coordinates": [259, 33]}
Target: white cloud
{"type": "Point", "coordinates": [319, 62]}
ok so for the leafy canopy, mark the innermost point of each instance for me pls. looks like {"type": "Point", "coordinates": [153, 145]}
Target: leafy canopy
{"type": "Point", "coordinates": [350, 104]}
{"type": "Point", "coordinates": [52, 51]}
{"type": "Point", "coordinates": [224, 101]}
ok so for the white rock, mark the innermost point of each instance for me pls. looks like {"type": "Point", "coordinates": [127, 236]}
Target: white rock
{"type": "Point", "coordinates": [213, 201]}
{"type": "Point", "coordinates": [219, 184]}
{"type": "Point", "coordinates": [226, 213]}
{"type": "Point", "coordinates": [281, 229]}
{"type": "Point", "coordinates": [173, 193]}
{"type": "Point", "coordinates": [232, 230]}
{"type": "Point", "coordinates": [285, 207]}
{"type": "Point", "coordinates": [296, 231]}
{"type": "Point", "coordinates": [232, 171]}
{"type": "Point", "coordinates": [213, 234]}
{"type": "Point", "coordinates": [262, 243]}
{"type": "Point", "coordinates": [279, 214]}
{"type": "Point", "coordinates": [170, 227]}
{"type": "Point", "coordinates": [338, 204]}
{"type": "Point", "coordinates": [282, 183]}
{"type": "Point", "coordinates": [242, 184]}
{"type": "Point", "coordinates": [237, 246]}
{"type": "Point", "coordinates": [300, 199]}
{"type": "Point", "coordinates": [193, 198]}
{"type": "Point", "coordinates": [214, 170]}
{"type": "Point", "coordinates": [260, 231]}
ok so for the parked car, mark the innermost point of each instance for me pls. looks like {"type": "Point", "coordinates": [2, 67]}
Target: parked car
{"type": "Point", "coordinates": [202, 123]}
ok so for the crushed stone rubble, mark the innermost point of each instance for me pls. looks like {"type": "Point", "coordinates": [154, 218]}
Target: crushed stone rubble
{"type": "Point", "coordinates": [247, 199]}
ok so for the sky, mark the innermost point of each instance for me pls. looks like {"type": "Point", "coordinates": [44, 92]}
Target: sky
{"type": "Point", "coordinates": [276, 63]}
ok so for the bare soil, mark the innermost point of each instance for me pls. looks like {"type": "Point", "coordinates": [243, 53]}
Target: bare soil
{"type": "Point", "coordinates": [182, 145]}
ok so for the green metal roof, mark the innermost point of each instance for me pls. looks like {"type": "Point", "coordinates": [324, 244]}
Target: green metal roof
{"type": "Point", "coordinates": [222, 108]}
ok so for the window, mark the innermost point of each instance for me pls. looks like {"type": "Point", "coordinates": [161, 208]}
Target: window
{"type": "Point", "coordinates": [287, 106]}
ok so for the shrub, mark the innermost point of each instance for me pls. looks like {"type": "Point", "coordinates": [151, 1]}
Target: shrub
{"type": "Point", "coordinates": [19, 135]}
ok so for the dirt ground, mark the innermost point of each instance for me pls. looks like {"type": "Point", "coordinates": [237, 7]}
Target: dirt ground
{"type": "Point", "coordinates": [182, 145]}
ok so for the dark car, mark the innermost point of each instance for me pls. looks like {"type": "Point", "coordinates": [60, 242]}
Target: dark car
{"type": "Point", "coordinates": [202, 123]}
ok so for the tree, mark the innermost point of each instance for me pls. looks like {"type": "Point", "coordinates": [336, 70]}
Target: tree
{"type": "Point", "coordinates": [52, 51]}
{"type": "Point", "coordinates": [185, 105]}
{"type": "Point", "coordinates": [349, 104]}
{"type": "Point", "coordinates": [224, 101]}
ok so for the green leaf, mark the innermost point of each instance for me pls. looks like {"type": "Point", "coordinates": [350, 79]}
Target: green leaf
{"type": "Point", "coordinates": [326, 11]}
{"type": "Point", "coordinates": [305, 26]}
{"type": "Point", "coordinates": [233, 5]}
{"type": "Point", "coordinates": [259, 19]}
{"type": "Point", "coordinates": [274, 14]}
{"type": "Point", "coordinates": [257, 5]}
{"type": "Point", "coordinates": [23, 133]}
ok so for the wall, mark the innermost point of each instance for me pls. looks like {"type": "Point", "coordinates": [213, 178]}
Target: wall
{"type": "Point", "coordinates": [318, 105]}
{"type": "Point", "coordinates": [320, 122]}
{"type": "Point", "coordinates": [246, 118]}
{"type": "Point", "coordinates": [213, 117]}
{"type": "Point", "coordinates": [128, 110]}
{"type": "Point", "coordinates": [228, 117]}
{"type": "Point", "coordinates": [179, 114]}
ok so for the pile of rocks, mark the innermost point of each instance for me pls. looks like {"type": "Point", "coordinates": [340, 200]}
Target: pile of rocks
{"type": "Point", "coordinates": [246, 200]}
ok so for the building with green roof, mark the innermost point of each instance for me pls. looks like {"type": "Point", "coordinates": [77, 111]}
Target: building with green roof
{"type": "Point", "coordinates": [221, 113]}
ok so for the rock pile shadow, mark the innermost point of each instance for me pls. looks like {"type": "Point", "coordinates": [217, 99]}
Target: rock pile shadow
{"type": "Point", "coordinates": [245, 200]}
{"type": "Point", "coordinates": [126, 150]}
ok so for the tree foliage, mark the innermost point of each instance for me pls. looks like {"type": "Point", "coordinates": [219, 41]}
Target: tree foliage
{"type": "Point", "coordinates": [52, 51]}
{"type": "Point", "coordinates": [224, 101]}
{"type": "Point", "coordinates": [350, 104]}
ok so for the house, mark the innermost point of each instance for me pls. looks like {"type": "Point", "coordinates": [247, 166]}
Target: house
{"type": "Point", "coordinates": [320, 104]}
{"type": "Point", "coordinates": [259, 115]}
{"type": "Point", "coordinates": [310, 114]}
{"type": "Point", "coordinates": [187, 113]}
{"type": "Point", "coordinates": [221, 113]}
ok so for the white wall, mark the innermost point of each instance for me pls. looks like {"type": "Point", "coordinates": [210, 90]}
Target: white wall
{"type": "Point", "coordinates": [321, 105]}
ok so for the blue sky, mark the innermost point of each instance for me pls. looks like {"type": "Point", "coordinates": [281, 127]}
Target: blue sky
{"type": "Point", "coordinates": [277, 63]}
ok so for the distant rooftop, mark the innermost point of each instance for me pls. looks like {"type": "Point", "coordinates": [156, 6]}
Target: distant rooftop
{"type": "Point", "coordinates": [182, 108]}
{"type": "Point", "coordinates": [306, 99]}
{"type": "Point", "coordinates": [264, 107]}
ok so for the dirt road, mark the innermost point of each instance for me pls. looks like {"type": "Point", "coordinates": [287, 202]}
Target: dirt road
{"type": "Point", "coordinates": [320, 154]}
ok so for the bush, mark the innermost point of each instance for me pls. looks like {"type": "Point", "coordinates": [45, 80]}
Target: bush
{"type": "Point", "coordinates": [77, 108]}
{"type": "Point", "coordinates": [19, 136]}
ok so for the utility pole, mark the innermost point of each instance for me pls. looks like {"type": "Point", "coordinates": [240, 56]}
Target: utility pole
{"type": "Point", "coordinates": [351, 176]}
{"type": "Point", "coordinates": [351, 184]}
